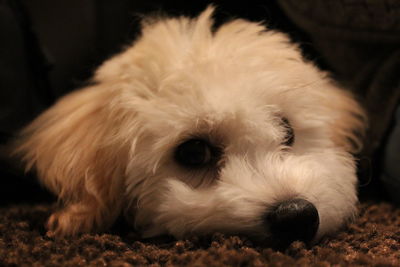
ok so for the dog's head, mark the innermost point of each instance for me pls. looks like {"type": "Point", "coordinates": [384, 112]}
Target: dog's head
{"type": "Point", "coordinates": [195, 130]}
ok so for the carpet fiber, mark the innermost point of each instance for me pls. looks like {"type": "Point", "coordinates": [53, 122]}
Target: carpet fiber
{"type": "Point", "coordinates": [372, 240]}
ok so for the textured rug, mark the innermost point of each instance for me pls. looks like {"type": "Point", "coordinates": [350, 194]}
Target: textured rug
{"type": "Point", "coordinates": [372, 240]}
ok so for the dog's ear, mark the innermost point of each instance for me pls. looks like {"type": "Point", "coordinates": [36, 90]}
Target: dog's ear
{"type": "Point", "coordinates": [350, 121]}
{"type": "Point", "coordinates": [75, 149]}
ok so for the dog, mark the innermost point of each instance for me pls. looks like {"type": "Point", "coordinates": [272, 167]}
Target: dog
{"type": "Point", "coordinates": [195, 129]}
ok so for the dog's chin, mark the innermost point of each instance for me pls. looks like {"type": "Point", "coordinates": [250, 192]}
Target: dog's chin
{"type": "Point", "coordinates": [263, 234]}
{"type": "Point", "coordinates": [260, 234]}
{"type": "Point", "coordinates": [257, 236]}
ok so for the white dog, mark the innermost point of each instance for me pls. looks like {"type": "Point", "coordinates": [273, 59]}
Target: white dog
{"type": "Point", "coordinates": [194, 129]}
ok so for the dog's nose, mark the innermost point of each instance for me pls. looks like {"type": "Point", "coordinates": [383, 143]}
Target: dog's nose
{"type": "Point", "coordinates": [292, 220]}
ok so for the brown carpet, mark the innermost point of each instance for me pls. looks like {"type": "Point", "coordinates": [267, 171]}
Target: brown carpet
{"type": "Point", "coordinates": [373, 240]}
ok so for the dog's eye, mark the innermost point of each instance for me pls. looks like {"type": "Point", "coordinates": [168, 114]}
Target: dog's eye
{"type": "Point", "coordinates": [289, 137]}
{"type": "Point", "coordinates": [195, 153]}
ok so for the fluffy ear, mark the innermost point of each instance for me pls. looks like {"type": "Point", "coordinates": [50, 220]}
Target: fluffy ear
{"type": "Point", "coordinates": [75, 149]}
{"type": "Point", "coordinates": [350, 123]}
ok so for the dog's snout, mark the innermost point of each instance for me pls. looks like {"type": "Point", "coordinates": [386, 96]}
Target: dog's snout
{"type": "Point", "coordinates": [291, 220]}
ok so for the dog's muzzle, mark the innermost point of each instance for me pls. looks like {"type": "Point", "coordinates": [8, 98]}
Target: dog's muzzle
{"type": "Point", "coordinates": [292, 220]}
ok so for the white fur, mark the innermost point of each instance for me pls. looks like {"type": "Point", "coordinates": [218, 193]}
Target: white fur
{"type": "Point", "coordinates": [109, 148]}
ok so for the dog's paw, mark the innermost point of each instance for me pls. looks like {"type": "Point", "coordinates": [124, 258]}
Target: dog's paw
{"type": "Point", "coordinates": [72, 220]}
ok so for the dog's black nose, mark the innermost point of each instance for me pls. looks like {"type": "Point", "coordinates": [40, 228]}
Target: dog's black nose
{"type": "Point", "coordinates": [291, 220]}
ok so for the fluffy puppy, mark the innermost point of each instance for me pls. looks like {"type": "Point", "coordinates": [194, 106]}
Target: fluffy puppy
{"type": "Point", "coordinates": [196, 129]}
